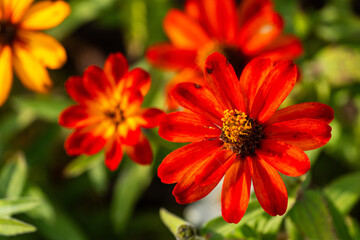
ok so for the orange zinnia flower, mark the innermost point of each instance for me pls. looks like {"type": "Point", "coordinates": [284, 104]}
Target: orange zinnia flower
{"type": "Point", "coordinates": [253, 29]}
{"type": "Point", "coordinates": [21, 45]}
{"type": "Point", "coordinates": [108, 113]}
{"type": "Point", "coordinates": [238, 132]}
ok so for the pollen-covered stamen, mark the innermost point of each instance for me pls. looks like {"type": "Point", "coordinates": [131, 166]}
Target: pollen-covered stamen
{"type": "Point", "coordinates": [7, 32]}
{"type": "Point", "coordinates": [116, 115]}
{"type": "Point", "coordinates": [240, 133]}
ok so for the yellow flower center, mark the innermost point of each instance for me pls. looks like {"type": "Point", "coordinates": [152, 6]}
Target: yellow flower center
{"type": "Point", "coordinates": [116, 115]}
{"type": "Point", "coordinates": [7, 32]}
{"type": "Point", "coordinates": [240, 133]}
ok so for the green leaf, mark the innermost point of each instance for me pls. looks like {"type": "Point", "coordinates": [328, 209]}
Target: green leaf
{"type": "Point", "coordinates": [82, 164]}
{"type": "Point", "coordinates": [343, 192]}
{"type": "Point", "coordinates": [13, 176]}
{"type": "Point", "coordinates": [11, 227]}
{"type": "Point", "coordinates": [132, 181]}
{"type": "Point", "coordinates": [98, 177]}
{"type": "Point", "coordinates": [171, 221]}
{"type": "Point", "coordinates": [291, 230]}
{"type": "Point", "coordinates": [316, 218]}
{"type": "Point", "coordinates": [354, 228]}
{"type": "Point", "coordinates": [52, 222]}
{"type": "Point", "coordinates": [218, 228]}
{"type": "Point", "coordinates": [43, 107]}
{"type": "Point", "coordinates": [10, 207]}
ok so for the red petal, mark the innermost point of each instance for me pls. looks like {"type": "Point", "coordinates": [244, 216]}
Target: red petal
{"type": "Point", "coordinates": [236, 191]}
{"type": "Point", "coordinates": [95, 81]}
{"type": "Point", "coordinates": [282, 48]}
{"type": "Point", "coordinates": [274, 90]}
{"type": "Point", "coordinates": [151, 117]}
{"type": "Point", "coordinates": [259, 31]}
{"type": "Point", "coordinates": [250, 8]}
{"type": "Point", "coordinates": [269, 188]}
{"type": "Point", "coordinates": [252, 77]}
{"type": "Point", "coordinates": [199, 100]}
{"type": "Point", "coordinates": [138, 80]}
{"type": "Point", "coordinates": [73, 116]}
{"type": "Point", "coordinates": [115, 67]}
{"type": "Point", "coordinates": [75, 88]}
{"type": "Point", "coordinates": [183, 31]}
{"type": "Point", "coordinates": [200, 180]}
{"type": "Point", "coordinates": [193, 9]}
{"type": "Point", "coordinates": [113, 154]}
{"type": "Point", "coordinates": [131, 137]}
{"type": "Point", "coordinates": [221, 79]}
{"type": "Point", "coordinates": [141, 152]}
{"type": "Point", "coordinates": [179, 162]}
{"type": "Point", "coordinates": [186, 75]}
{"type": "Point", "coordinates": [306, 134]}
{"type": "Point", "coordinates": [220, 18]}
{"type": "Point", "coordinates": [187, 127]}
{"type": "Point", "coordinates": [312, 110]}
{"type": "Point", "coordinates": [84, 142]}
{"type": "Point", "coordinates": [167, 56]}
{"type": "Point", "coordinates": [285, 158]}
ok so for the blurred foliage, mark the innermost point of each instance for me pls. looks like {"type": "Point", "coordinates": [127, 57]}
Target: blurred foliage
{"type": "Point", "coordinates": [44, 190]}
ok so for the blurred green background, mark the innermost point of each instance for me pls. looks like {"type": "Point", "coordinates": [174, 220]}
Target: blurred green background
{"type": "Point", "coordinates": [66, 198]}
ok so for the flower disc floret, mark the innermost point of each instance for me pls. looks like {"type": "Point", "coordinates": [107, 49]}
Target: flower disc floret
{"type": "Point", "coordinates": [240, 133]}
{"type": "Point", "coordinates": [7, 32]}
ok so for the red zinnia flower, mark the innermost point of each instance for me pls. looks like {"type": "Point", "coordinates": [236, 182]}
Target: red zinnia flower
{"type": "Point", "coordinates": [237, 132]}
{"type": "Point", "coordinates": [108, 113]}
{"type": "Point", "coordinates": [253, 29]}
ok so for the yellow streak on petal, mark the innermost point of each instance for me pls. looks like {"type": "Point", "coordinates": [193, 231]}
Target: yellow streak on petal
{"type": "Point", "coordinates": [44, 15]}
{"type": "Point", "coordinates": [45, 48]}
{"type": "Point", "coordinates": [30, 71]}
{"type": "Point", "coordinates": [6, 75]}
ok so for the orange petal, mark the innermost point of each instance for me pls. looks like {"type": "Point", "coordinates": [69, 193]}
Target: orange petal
{"type": "Point", "coordinates": [45, 48]}
{"type": "Point", "coordinates": [220, 18]}
{"type": "Point", "coordinates": [83, 141]}
{"type": "Point", "coordinates": [274, 90]}
{"type": "Point", "coordinates": [44, 15]}
{"type": "Point", "coordinates": [200, 100]}
{"type": "Point", "coordinates": [222, 81]}
{"type": "Point", "coordinates": [200, 180]}
{"type": "Point", "coordinates": [175, 165]}
{"type": "Point", "coordinates": [305, 133]}
{"type": "Point", "coordinates": [151, 117]}
{"type": "Point", "coordinates": [249, 8]}
{"type": "Point", "coordinates": [269, 188]}
{"type": "Point", "coordinates": [115, 67]}
{"type": "Point", "coordinates": [167, 56]}
{"type": "Point", "coordinates": [187, 127]}
{"type": "Point", "coordinates": [14, 9]}
{"type": "Point", "coordinates": [183, 31]}
{"type": "Point", "coordinates": [141, 152]}
{"type": "Point", "coordinates": [252, 77]}
{"type": "Point", "coordinates": [30, 71]}
{"type": "Point", "coordinates": [236, 191]}
{"type": "Point", "coordinates": [312, 110]}
{"type": "Point", "coordinates": [6, 75]}
{"type": "Point", "coordinates": [285, 158]}
{"type": "Point", "coordinates": [282, 48]}
{"type": "Point", "coordinates": [113, 154]}
{"type": "Point", "coordinates": [261, 30]}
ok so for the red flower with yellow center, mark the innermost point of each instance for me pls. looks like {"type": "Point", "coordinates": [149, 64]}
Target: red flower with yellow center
{"type": "Point", "coordinates": [108, 113]}
{"type": "Point", "coordinates": [253, 29]}
{"type": "Point", "coordinates": [237, 131]}
{"type": "Point", "coordinates": [25, 49]}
